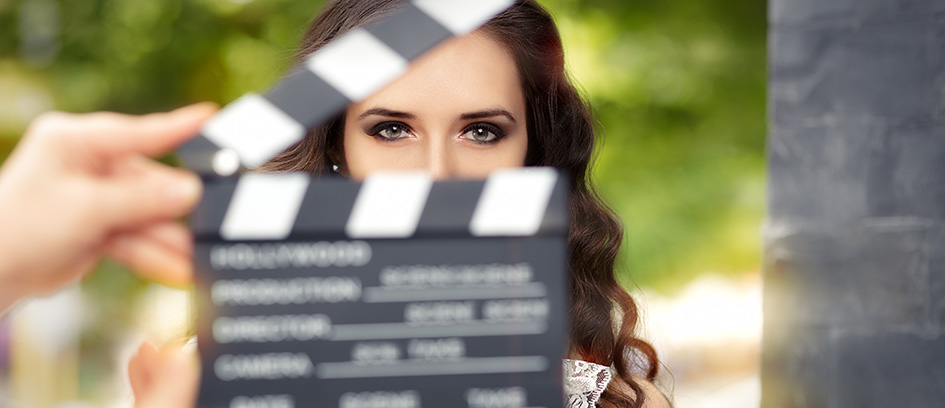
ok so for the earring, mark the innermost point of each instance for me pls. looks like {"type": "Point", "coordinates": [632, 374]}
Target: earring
{"type": "Point", "coordinates": [334, 168]}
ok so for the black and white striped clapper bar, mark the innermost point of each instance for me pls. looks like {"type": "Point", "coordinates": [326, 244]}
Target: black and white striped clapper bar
{"type": "Point", "coordinates": [398, 291]}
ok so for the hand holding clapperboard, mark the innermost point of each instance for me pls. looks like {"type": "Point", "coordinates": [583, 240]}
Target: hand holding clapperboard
{"type": "Point", "coordinates": [313, 293]}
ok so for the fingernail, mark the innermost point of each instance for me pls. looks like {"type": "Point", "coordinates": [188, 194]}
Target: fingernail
{"type": "Point", "coordinates": [191, 345]}
{"type": "Point", "coordinates": [183, 190]}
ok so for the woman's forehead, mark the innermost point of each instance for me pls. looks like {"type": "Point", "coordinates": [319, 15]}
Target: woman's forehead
{"type": "Point", "coordinates": [465, 73]}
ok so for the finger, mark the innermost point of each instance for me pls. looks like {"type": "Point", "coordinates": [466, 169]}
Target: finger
{"type": "Point", "coordinates": [48, 284]}
{"type": "Point", "coordinates": [141, 368]}
{"type": "Point", "coordinates": [150, 135]}
{"type": "Point", "coordinates": [145, 192]}
{"type": "Point", "coordinates": [170, 234]}
{"type": "Point", "coordinates": [160, 252]}
{"type": "Point", "coordinates": [175, 385]}
{"type": "Point", "coordinates": [108, 134]}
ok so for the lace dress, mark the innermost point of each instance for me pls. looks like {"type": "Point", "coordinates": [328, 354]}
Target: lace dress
{"type": "Point", "coordinates": [584, 382]}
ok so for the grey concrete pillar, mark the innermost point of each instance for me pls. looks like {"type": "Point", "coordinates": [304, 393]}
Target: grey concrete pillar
{"type": "Point", "coordinates": [855, 240]}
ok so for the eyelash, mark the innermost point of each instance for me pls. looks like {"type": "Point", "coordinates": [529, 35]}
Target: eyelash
{"type": "Point", "coordinates": [488, 127]}
{"type": "Point", "coordinates": [496, 131]}
{"type": "Point", "coordinates": [380, 127]}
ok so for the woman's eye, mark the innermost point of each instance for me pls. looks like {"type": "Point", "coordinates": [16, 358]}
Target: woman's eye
{"type": "Point", "coordinates": [482, 133]}
{"type": "Point", "coordinates": [390, 131]}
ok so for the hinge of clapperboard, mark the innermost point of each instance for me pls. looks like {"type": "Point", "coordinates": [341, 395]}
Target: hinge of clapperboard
{"type": "Point", "coordinates": [255, 128]}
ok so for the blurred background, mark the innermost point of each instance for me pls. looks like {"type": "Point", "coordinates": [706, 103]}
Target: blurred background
{"type": "Point", "coordinates": [679, 89]}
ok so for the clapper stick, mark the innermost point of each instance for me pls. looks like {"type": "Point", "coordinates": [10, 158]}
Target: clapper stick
{"type": "Point", "coordinates": [255, 128]}
{"type": "Point", "coordinates": [509, 203]}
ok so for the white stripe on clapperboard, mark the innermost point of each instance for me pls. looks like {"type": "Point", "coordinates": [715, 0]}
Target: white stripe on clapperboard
{"type": "Point", "coordinates": [462, 16]}
{"type": "Point", "coordinates": [254, 128]}
{"type": "Point", "coordinates": [264, 206]}
{"type": "Point", "coordinates": [356, 65]}
{"type": "Point", "coordinates": [389, 205]}
{"type": "Point", "coordinates": [513, 202]}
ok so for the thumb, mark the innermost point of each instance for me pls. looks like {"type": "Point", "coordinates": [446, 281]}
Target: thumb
{"type": "Point", "coordinates": [141, 368]}
{"type": "Point", "coordinates": [175, 384]}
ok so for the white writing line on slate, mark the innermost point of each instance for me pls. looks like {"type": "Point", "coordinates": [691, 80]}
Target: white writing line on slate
{"type": "Point", "coordinates": [384, 295]}
{"type": "Point", "coordinates": [377, 331]}
{"type": "Point", "coordinates": [479, 365]}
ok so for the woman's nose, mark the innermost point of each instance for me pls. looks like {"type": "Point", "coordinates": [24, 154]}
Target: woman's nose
{"type": "Point", "coordinates": [439, 162]}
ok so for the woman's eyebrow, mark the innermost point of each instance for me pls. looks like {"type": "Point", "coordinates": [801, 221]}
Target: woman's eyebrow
{"type": "Point", "coordinates": [386, 112]}
{"type": "Point", "coordinates": [487, 114]}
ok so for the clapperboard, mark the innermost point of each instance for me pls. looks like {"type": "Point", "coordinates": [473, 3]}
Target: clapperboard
{"type": "Point", "coordinates": [398, 291]}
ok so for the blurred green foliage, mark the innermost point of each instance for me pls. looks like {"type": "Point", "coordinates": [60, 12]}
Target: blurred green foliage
{"type": "Point", "coordinates": [679, 87]}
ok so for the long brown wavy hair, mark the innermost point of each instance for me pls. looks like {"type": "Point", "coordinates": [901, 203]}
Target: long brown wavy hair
{"type": "Point", "coordinates": [561, 134]}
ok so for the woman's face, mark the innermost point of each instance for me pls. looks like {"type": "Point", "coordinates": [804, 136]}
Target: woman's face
{"type": "Point", "coordinates": [458, 112]}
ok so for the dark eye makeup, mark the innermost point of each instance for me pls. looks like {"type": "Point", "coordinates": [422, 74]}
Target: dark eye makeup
{"type": "Point", "coordinates": [390, 131]}
{"type": "Point", "coordinates": [481, 133]}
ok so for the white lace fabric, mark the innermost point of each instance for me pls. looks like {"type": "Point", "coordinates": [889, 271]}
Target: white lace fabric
{"type": "Point", "coordinates": [584, 382]}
